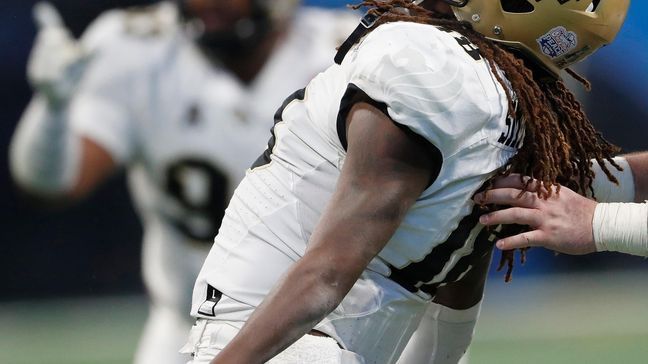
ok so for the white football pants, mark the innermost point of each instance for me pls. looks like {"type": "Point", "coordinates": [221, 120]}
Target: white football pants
{"type": "Point", "coordinates": [208, 338]}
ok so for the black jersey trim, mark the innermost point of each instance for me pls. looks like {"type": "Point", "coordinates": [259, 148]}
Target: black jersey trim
{"type": "Point", "coordinates": [367, 22]}
{"type": "Point", "coordinates": [415, 276]}
{"type": "Point", "coordinates": [265, 157]}
{"type": "Point", "coordinates": [354, 95]}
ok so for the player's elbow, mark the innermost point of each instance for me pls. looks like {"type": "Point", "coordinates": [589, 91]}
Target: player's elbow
{"type": "Point", "coordinates": [334, 274]}
{"type": "Point", "coordinates": [36, 188]}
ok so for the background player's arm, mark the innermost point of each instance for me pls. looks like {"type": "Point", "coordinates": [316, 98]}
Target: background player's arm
{"type": "Point", "coordinates": [95, 167]}
{"type": "Point", "coordinates": [47, 158]}
{"type": "Point", "coordinates": [384, 173]}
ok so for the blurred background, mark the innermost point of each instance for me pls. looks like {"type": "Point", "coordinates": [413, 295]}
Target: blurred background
{"type": "Point", "coordinates": [60, 268]}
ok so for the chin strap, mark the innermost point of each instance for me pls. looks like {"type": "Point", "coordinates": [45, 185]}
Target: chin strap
{"type": "Point", "coordinates": [367, 22]}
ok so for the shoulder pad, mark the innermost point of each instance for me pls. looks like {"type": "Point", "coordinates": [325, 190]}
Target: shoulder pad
{"type": "Point", "coordinates": [153, 21]}
{"type": "Point", "coordinates": [429, 81]}
{"type": "Point", "coordinates": [150, 21]}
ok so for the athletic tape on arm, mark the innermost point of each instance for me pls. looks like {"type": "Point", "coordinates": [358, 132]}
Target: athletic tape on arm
{"type": "Point", "coordinates": [621, 227]}
{"type": "Point", "coordinates": [44, 154]}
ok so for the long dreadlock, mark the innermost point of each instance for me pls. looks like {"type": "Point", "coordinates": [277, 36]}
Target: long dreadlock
{"type": "Point", "coordinates": [560, 141]}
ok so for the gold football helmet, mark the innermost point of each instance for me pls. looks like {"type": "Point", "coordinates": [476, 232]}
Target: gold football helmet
{"type": "Point", "coordinates": [556, 33]}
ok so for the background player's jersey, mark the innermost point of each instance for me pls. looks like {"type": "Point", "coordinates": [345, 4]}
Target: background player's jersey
{"type": "Point", "coordinates": [185, 128]}
{"type": "Point", "coordinates": [433, 82]}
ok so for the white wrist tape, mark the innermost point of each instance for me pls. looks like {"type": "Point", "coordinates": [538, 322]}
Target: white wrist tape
{"type": "Point", "coordinates": [44, 154]}
{"type": "Point", "coordinates": [607, 191]}
{"type": "Point", "coordinates": [621, 227]}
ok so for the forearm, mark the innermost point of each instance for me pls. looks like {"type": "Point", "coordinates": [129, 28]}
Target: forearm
{"type": "Point", "coordinates": [383, 175]}
{"type": "Point", "coordinates": [621, 227]}
{"type": "Point", "coordinates": [338, 252]}
{"type": "Point", "coordinates": [44, 153]}
{"type": "Point", "coordinates": [633, 179]}
{"type": "Point", "coordinates": [639, 165]}
{"type": "Point", "coordinates": [353, 229]}
{"type": "Point", "coordinates": [303, 298]}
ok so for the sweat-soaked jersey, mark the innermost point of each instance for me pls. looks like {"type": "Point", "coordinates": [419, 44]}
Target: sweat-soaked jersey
{"type": "Point", "coordinates": [433, 82]}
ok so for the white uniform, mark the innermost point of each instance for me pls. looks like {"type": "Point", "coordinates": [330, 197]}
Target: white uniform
{"type": "Point", "coordinates": [434, 83]}
{"type": "Point", "coordinates": [186, 130]}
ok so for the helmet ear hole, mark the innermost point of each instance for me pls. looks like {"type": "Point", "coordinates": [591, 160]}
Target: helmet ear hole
{"type": "Point", "coordinates": [517, 6]}
{"type": "Point", "coordinates": [593, 6]}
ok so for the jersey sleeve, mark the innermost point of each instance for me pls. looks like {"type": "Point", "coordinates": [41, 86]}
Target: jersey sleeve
{"type": "Point", "coordinates": [427, 80]}
{"type": "Point", "coordinates": [100, 111]}
{"type": "Point", "coordinates": [102, 107]}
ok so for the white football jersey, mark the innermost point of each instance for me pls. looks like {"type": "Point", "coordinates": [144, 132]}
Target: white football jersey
{"type": "Point", "coordinates": [185, 128]}
{"type": "Point", "coordinates": [431, 81]}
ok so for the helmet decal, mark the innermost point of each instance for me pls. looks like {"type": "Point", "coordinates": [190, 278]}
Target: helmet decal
{"type": "Point", "coordinates": [558, 42]}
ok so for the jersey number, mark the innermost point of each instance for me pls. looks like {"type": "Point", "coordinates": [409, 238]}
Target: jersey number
{"type": "Point", "coordinates": [201, 190]}
{"type": "Point", "coordinates": [422, 275]}
{"type": "Point", "coordinates": [465, 43]}
{"type": "Point", "coordinates": [514, 134]}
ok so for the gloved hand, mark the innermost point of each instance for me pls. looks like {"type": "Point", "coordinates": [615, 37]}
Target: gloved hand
{"type": "Point", "coordinates": [57, 60]}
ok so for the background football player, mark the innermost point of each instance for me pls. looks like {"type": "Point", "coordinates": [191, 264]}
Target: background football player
{"type": "Point", "coordinates": [181, 94]}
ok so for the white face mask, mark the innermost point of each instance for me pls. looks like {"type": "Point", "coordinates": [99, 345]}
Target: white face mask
{"type": "Point", "coordinates": [590, 8]}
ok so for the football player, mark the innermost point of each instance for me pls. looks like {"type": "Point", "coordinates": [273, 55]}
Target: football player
{"type": "Point", "coordinates": [181, 95]}
{"type": "Point", "coordinates": [360, 213]}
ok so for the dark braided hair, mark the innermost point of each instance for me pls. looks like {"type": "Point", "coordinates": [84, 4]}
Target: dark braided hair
{"type": "Point", "coordinates": [560, 141]}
